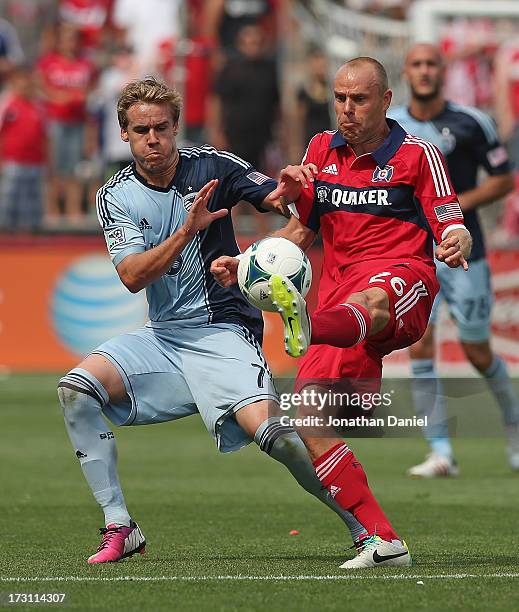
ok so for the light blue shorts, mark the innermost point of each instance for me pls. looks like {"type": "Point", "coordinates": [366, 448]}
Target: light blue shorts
{"type": "Point", "coordinates": [213, 370]}
{"type": "Point", "coordinates": [469, 299]}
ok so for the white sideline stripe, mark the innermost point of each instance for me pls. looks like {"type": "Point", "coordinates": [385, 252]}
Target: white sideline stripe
{"type": "Point", "coordinates": [267, 578]}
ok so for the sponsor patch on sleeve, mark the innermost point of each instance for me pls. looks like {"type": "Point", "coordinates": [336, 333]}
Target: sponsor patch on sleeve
{"type": "Point", "coordinates": [258, 178]}
{"type": "Point", "coordinates": [447, 212]}
{"type": "Point", "coordinates": [497, 156]}
{"type": "Point", "coordinates": [114, 237]}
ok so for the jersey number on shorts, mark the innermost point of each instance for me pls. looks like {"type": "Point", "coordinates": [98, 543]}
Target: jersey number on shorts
{"type": "Point", "coordinates": [396, 282]}
{"type": "Point", "coordinates": [406, 300]}
{"type": "Point", "coordinates": [261, 373]}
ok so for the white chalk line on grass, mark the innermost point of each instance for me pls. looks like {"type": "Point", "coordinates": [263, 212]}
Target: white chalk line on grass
{"type": "Point", "coordinates": [245, 578]}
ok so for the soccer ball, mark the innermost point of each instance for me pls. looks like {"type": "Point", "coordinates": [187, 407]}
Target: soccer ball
{"type": "Point", "coordinates": [272, 256]}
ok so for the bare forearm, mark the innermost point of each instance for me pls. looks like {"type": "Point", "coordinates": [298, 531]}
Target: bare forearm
{"type": "Point", "coordinates": [490, 190]}
{"type": "Point", "coordinates": [297, 233]}
{"type": "Point", "coordinates": [141, 269]}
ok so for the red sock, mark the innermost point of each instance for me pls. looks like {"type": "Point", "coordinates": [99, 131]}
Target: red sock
{"type": "Point", "coordinates": [341, 473]}
{"type": "Point", "coordinates": [342, 326]}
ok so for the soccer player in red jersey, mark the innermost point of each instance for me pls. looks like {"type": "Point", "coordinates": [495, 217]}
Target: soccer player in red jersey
{"type": "Point", "coordinates": [376, 194]}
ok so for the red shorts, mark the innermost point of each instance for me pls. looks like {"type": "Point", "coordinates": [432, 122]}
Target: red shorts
{"type": "Point", "coordinates": [411, 288]}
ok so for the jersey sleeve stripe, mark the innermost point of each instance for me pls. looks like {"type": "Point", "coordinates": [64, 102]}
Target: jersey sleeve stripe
{"type": "Point", "coordinates": [435, 164]}
{"type": "Point", "coordinates": [433, 171]}
{"type": "Point", "coordinates": [102, 208]}
{"type": "Point", "coordinates": [196, 151]}
{"type": "Point", "coordinates": [483, 120]}
{"type": "Point", "coordinates": [440, 168]}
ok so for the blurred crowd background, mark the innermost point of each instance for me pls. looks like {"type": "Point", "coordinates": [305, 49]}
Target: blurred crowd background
{"type": "Point", "coordinates": [255, 78]}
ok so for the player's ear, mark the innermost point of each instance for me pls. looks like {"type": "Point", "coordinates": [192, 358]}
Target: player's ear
{"type": "Point", "coordinates": [175, 129]}
{"type": "Point", "coordinates": [124, 135]}
{"type": "Point", "coordinates": [388, 96]}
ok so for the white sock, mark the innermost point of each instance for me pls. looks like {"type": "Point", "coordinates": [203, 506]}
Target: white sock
{"type": "Point", "coordinates": [283, 444]}
{"type": "Point", "coordinates": [82, 396]}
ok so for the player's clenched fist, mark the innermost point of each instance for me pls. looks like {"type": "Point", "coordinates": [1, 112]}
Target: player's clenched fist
{"type": "Point", "coordinates": [225, 270]}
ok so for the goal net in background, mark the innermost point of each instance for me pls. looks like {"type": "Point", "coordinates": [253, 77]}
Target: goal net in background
{"type": "Point", "coordinates": [469, 31]}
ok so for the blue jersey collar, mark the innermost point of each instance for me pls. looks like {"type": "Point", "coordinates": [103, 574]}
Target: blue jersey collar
{"type": "Point", "coordinates": [387, 149]}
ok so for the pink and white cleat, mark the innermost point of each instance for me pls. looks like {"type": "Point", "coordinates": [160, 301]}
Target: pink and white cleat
{"type": "Point", "coordinates": [118, 543]}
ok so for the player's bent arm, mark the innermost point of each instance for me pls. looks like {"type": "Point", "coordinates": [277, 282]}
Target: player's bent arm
{"type": "Point", "coordinates": [138, 270]}
{"type": "Point", "coordinates": [225, 268]}
{"type": "Point", "coordinates": [276, 205]}
{"type": "Point", "coordinates": [141, 269]}
{"type": "Point", "coordinates": [297, 233]}
{"type": "Point", "coordinates": [491, 189]}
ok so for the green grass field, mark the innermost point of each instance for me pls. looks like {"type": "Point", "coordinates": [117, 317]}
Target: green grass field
{"type": "Point", "coordinates": [218, 525]}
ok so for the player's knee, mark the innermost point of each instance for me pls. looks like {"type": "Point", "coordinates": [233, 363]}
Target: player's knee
{"type": "Point", "coordinates": [480, 355]}
{"type": "Point", "coordinates": [423, 348]}
{"type": "Point", "coordinates": [68, 398]}
{"type": "Point", "coordinates": [377, 305]}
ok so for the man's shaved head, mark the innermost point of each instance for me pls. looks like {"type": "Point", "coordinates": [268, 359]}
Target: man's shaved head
{"type": "Point", "coordinates": [379, 72]}
{"type": "Point", "coordinates": [424, 49]}
{"type": "Point", "coordinates": [362, 98]}
{"type": "Point", "coordinates": [424, 71]}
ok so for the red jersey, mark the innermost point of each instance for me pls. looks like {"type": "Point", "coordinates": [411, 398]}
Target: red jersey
{"type": "Point", "coordinates": [22, 131]}
{"type": "Point", "coordinates": [88, 16]}
{"type": "Point", "coordinates": [382, 206]}
{"type": "Point", "coordinates": [71, 77]}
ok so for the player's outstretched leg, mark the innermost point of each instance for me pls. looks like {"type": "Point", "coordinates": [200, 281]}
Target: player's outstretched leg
{"type": "Point", "coordinates": [283, 444]}
{"type": "Point", "coordinates": [292, 307]}
{"type": "Point", "coordinates": [82, 397]}
{"type": "Point", "coordinates": [339, 471]}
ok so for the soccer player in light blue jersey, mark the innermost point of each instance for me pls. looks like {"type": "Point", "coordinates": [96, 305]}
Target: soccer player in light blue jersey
{"type": "Point", "coordinates": [469, 142]}
{"type": "Point", "coordinates": [165, 218]}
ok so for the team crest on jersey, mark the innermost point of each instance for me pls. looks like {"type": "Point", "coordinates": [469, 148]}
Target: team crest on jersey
{"type": "Point", "coordinates": [175, 268]}
{"type": "Point", "coordinates": [382, 174]}
{"type": "Point", "coordinates": [448, 141]}
{"type": "Point", "coordinates": [114, 237]}
{"type": "Point", "coordinates": [323, 193]}
{"type": "Point", "coordinates": [188, 200]}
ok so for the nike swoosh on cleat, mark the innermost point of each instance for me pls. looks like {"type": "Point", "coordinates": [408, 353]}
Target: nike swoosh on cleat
{"type": "Point", "coordinates": [379, 558]}
{"type": "Point", "coordinates": [290, 319]}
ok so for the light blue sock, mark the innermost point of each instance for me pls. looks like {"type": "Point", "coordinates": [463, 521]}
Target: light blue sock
{"type": "Point", "coordinates": [283, 444]}
{"type": "Point", "coordinates": [82, 396]}
{"type": "Point", "coordinates": [429, 401]}
{"type": "Point", "coordinates": [501, 386]}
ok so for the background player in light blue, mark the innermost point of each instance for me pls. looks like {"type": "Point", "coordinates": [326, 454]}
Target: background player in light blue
{"type": "Point", "coordinates": [469, 142]}
{"type": "Point", "coordinates": [165, 218]}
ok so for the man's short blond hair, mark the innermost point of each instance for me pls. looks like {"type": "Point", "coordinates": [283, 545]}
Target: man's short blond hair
{"type": "Point", "coordinates": [149, 90]}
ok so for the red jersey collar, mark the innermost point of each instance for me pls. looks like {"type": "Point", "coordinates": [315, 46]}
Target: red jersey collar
{"type": "Point", "coordinates": [387, 149]}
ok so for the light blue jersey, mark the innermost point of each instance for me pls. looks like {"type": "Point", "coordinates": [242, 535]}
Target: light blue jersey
{"type": "Point", "coordinates": [136, 216]}
{"type": "Point", "coordinates": [201, 351]}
